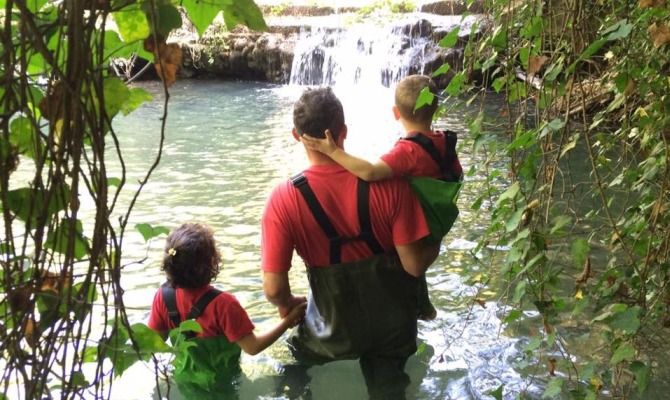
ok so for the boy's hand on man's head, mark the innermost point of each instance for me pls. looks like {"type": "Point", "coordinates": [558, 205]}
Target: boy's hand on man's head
{"type": "Point", "coordinates": [326, 145]}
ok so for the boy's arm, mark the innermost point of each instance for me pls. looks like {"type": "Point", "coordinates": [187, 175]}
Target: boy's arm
{"type": "Point", "coordinates": [253, 344]}
{"type": "Point", "coordinates": [361, 168]}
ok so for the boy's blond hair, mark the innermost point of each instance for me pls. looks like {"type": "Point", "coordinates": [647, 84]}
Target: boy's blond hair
{"type": "Point", "coordinates": [406, 94]}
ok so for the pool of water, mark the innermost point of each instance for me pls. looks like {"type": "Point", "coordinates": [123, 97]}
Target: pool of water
{"type": "Point", "coordinates": [227, 145]}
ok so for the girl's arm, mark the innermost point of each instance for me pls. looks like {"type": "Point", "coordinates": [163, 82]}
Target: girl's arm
{"type": "Point", "coordinates": [361, 168]}
{"type": "Point", "coordinates": [253, 344]}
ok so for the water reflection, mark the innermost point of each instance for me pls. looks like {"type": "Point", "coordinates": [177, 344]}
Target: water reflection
{"type": "Point", "coordinates": [227, 145]}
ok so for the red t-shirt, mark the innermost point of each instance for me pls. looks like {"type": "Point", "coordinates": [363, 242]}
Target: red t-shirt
{"type": "Point", "coordinates": [396, 216]}
{"type": "Point", "coordinates": [223, 316]}
{"type": "Point", "coordinates": [407, 158]}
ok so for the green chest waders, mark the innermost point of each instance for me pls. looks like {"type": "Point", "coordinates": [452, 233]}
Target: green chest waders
{"type": "Point", "coordinates": [360, 308]}
{"type": "Point", "coordinates": [438, 196]}
{"type": "Point", "coordinates": [209, 368]}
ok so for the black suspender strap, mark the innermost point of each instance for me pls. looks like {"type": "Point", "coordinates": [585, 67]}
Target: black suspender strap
{"type": "Point", "coordinates": [201, 304]}
{"type": "Point", "coordinates": [336, 240]}
{"type": "Point", "coordinates": [446, 166]}
{"type": "Point", "coordinates": [300, 182]}
{"type": "Point", "coordinates": [450, 157]}
{"type": "Point", "coordinates": [170, 300]}
{"type": "Point", "coordinates": [428, 146]}
{"type": "Point", "coordinates": [363, 194]}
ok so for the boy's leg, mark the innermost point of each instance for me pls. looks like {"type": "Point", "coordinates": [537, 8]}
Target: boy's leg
{"type": "Point", "coordinates": [427, 311]}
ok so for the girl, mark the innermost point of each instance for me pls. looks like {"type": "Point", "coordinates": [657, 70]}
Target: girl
{"type": "Point", "coordinates": [191, 262]}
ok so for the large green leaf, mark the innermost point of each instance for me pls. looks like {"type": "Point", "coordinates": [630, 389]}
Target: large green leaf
{"type": "Point", "coordinates": [23, 135]}
{"type": "Point", "coordinates": [642, 375]}
{"type": "Point", "coordinates": [624, 352]}
{"type": "Point", "coordinates": [169, 18]}
{"type": "Point", "coordinates": [148, 340]}
{"type": "Point", "coordinates": [201, 13]}
{"type": "Point", "coordinates": [627, 321]}
{"type": "Point", "coordinates": [58, 240]}
{"type": "Point", "coordinates": [249, 14]}
{"type": "Point", "coordinates": [149, 231]}
{"type": "Point", "coordinates": [21, 200]}
{"type": "Point", "coordinates": [553, 389]}
{"type": "Point", "coordinates": [580, 250]}
{"type": "Point", "coordinates": [116, 95]}
{"type": "Point", "coordinates": [115, 47]}
{"type": "Point", "coordinates": [132, 24]}
{"type": "Point", "coordinates": [137, 97]}
{"type": "Point", "coordinates": [425, 98]}
{"type": "Point", "coordinates": [450, 39]}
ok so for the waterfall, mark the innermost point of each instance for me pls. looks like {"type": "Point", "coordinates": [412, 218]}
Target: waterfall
{"type": "Point", "coordinates": [361, 54]}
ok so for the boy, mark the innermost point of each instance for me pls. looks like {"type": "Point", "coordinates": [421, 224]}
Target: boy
{"type": "Point", "coordinates": [421, 153]}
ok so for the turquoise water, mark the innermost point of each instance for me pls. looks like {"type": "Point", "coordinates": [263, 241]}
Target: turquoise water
{"type": "Point", "coordinates": [227, 144]}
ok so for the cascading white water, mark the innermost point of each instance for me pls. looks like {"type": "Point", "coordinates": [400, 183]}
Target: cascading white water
{"type": "Point", "coordinates": [360, 54]}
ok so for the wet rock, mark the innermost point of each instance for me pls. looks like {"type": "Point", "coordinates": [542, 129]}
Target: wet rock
{"type": "Point", "coordinates": [453, 7]}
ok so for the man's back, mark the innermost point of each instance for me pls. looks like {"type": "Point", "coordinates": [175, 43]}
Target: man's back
{"type": "Point", "coordinates": [395, 215]}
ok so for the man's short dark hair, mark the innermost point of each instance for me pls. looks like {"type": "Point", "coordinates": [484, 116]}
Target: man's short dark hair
{"type": "Point", "coordinates": [191, 259]}
{"type": "Point", "coordinates": [406, 94]}
{"type": "Point", "coordinates": [318, 110]}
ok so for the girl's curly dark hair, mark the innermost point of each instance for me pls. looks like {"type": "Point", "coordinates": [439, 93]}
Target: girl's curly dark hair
{"type": "Point", "coordinates": [191, 258]}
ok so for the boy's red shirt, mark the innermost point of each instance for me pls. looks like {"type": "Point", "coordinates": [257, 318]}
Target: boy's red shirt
{"type": "Point", "coordinates": [223, 316]}
{"type": "Point", "coordinates": [407, 158]}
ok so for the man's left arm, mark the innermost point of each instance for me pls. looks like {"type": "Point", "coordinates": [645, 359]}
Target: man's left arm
{"type": "Point", "coordinates": [277, 290]}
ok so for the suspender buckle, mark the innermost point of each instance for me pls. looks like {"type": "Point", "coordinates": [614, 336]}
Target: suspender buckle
{"type": "Point", "coordinates": [298, 180]}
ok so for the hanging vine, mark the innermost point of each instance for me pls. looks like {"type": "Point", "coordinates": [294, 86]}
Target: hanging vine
{"type": "Point", "coordinates": [64, 331]}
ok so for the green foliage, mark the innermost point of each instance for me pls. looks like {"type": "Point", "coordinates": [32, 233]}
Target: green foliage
{"type": "Point", "coordinates": [61, 231]}
{"type": "Point", "coordinates": [582, 200]}
{"type": "Point", "coordinates": [149, 231]}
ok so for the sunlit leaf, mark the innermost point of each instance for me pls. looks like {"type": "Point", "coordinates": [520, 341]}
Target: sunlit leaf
{"type": "Point", "coordinates": [497, 393]}
{"type": "Point", "coordinates": [509, 194]}
{"type": "Point", "coordinates": [619, 30]}
{"type": "Point", "coordinates": [115, 47]}
{"type": "Point", "coordinates": [116, 95]}
{"type": "Point", "coordinates": [642, 375]}
{"type": "Point", "coordinates": [513, 221]}
{"type": "Point", "coordinates": [624, 352]}
{"type": "Point", "coordinates": [579, 249]}
{"type": "Point", "coordinates": [132, 24]}
{"type": "Point", "coordinates": [532, 28]}
{"type": "Point", "coordinates": [425, 98]}
{"type": "Point", "coordinates": [77, 379]}
{"type": "Point", "coordinates": [168, 19]}
{"type": "Point", "coordinates": [456, 84]}
{"type": "Point", "coordinates": [201, 13]}
{"type": "Point", "coordinates": [149, 231]}
{"type": "Point", "coordinates": [136, 98]}
{"type": "Point", "coordinates": [28, 203]}
{"type": "Point", "coordinates": [559, 223]}
{"type": "Point", "coordinates": [59, 239]}
{"type": "Point", "coordinates": [444, 68]}
{"type": "Point", "coordinates": [627, 321]}
{"type": "Point", "coordinates": [247, 13]}
{"type": "Point", "coordinates": [23, 135]}
{"type": "Point", "coordinates": [553, 389]}
{"type": "Point", "coordinates": [148, 340]}
{"type": "Point", "coordinates": [450, 39]}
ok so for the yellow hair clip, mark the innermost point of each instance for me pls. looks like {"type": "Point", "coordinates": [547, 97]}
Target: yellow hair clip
{"type": "Point", "coordinates": [171, 251]}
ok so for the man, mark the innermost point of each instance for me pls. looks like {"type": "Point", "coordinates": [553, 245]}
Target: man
{"type": "Point", "coordinates": [363, 246]}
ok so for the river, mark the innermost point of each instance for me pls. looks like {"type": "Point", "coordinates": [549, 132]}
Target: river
{"type": "Point", "coordinates": [227, 144]}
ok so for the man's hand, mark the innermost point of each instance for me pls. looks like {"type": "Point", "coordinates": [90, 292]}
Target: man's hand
{"type": "Point", "coordinates": [296, 314]}
{"type": "Point", "coordinates": [326, 146]}
{"type": "Point", "coordinates": [293, 308]}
